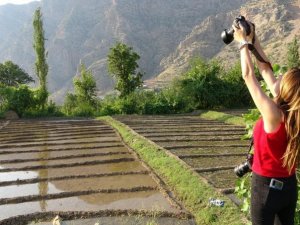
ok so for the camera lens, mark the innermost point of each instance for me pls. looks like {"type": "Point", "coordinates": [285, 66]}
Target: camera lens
{"type": "Point", "coordinates": [227, 36]}
{"type": "Point", "coordinates": [242, 169]}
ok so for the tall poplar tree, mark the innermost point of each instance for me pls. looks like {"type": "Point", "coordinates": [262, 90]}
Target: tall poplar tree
{"type": "Point", "coordinates": [41, 66]}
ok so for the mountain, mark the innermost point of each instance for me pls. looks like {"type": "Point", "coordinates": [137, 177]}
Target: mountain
{"type": "Point", "coordinates": [166, 34]}
{"type": "Point", "coordinates": [277, 23]}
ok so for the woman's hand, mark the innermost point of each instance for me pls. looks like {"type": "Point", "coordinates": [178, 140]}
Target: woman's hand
{"type": "Point", "coordinates": [240, 33]}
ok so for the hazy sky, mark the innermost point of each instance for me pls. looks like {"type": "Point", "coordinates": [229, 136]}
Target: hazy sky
{"type": "Point", "coordinates": [3, 2]}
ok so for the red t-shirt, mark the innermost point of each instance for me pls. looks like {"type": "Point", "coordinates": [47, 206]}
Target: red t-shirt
{"type": "Point", "coordinates": [268, 151]}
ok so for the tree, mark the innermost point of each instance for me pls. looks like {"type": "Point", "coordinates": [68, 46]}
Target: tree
{"type": "Point", "coordinates": [293, 54]}
{"type": "Point", "coordinates": [41, 66]}
{"type": "Point", "coordinates": [18, 98]}
{"type": "Point", "coordinates": [122, 65]}
{"type": "Point", "coordinates": [85, 86]}
{"type": "Point", "coordinates": [83, 102]}
{"type": "Point", "coordinates": [12, 75]}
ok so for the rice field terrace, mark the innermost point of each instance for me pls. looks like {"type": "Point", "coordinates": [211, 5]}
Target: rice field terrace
{"type": "Point", "coordinates": [78, 169]}
{"type": "Point", "coordinates": [211, 148]}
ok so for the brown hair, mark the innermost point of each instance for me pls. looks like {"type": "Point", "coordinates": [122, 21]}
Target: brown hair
{"type": "Point", "coordinates": [289, 102]}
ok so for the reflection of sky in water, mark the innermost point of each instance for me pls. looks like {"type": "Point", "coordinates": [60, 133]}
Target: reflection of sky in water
{"type": "Point", "coordinates": [146, 200]}
{"type": "Point", "coordinates": [27, 189]}
{"type": "Point", "coordinates": [21, 175]}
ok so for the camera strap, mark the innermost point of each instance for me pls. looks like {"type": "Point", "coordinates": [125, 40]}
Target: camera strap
{"type": "Point", "coordinates": [255, 52]}
{"type": "Point", "coordinates": [258, 56]}
{"type": "Point", "coordinates": [251, 145]}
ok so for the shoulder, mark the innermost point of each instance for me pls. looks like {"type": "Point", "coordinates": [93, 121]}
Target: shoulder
{"type": "Point", "coordinates": [273, 121]}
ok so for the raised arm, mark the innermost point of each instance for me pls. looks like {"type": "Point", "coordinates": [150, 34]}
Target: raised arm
{"type": "Point", "coordinates": [270, 112]}
{"type": "Point", "coordinates": [266, 71]}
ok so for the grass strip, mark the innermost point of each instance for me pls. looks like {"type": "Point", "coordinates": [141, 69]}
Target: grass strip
{"type": "Point", "coordinates": [223, 117]}
{"type": "Point", "coordinates": [192, 190]}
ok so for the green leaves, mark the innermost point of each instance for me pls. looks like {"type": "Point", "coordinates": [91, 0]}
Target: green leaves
{"type": "Point", "coordinates": [293, 54]}
{"type": "Point", "coordinates": [85, 86]}
{"type": "Point", "coordinates": [242, 190]}
{"type": "Point", "coordinates": [41, 66]}
{"type": "Point", "coordinates": [84, 101]}
{"type": "Point", "coordinates": [12, 75]}
{"type": "Point", "coordinates": [18, 99]}
{"type": "Point", "coordinates": [250, 118]}
{"type": "Point", "coordinates": [211, 86]}
{"type": "Point", "coordinates": [122, 65]}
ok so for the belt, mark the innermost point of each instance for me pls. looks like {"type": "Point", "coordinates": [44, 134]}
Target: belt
{"type": "Point", "coordinates": [276, 183]}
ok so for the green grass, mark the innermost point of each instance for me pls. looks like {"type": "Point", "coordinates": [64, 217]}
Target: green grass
{"type": "Point", "coordinates": [188, 186]}
{"type": "Point", "coordinates": [223, 117]}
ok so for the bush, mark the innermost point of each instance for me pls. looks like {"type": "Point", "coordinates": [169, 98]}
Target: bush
{"type": "Point", "coordinates": [25, 102]}
{"type": "Point", "coordinates": [202, 85]}
{"type": "Point", "coordinates": [84, 109]}
{"type": "Point", "coordinates": [69, 104]}
{"type": "Point", "coordinates": [207, 85]}
{"type": "Point", "coordinates": [76, 106]}
{"type": "Point", "coordinates": [145, 102]}
{"type": "Point", "coordinates": [40, 96]}
{"type": "Point", "coordinates": [236, 92]}
{"type": "Point", "coordinates": [49, 110]}
{"type": "Point", "coordinates": [17, 99]}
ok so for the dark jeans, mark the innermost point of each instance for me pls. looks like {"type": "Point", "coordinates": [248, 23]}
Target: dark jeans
{"type": "Point", "coordinates": [270, 206]}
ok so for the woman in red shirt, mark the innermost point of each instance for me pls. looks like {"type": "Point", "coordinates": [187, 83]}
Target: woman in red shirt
{"type": "Point", "coordinates": [276, 137]}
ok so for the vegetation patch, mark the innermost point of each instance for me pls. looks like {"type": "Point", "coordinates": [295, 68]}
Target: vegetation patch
{"type": "Point", "coordinates": [223, 117]}
{"type": "Point", "coordinates": [188, 186]}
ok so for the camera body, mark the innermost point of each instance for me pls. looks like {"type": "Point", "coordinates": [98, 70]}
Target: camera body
{"type": "Point", "coordinates": [227, 34]}
{"type": "Point", "coordinates": [245, 167]}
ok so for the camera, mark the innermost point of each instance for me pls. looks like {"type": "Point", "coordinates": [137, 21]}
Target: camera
{"type": "Point", "coordinates": [245, 167]}
{"type": "Point", "coordinates": [227, 34]}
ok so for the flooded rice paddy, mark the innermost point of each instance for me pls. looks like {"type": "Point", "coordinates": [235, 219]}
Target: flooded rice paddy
{"type": "Point", "coordinates": [211, 148]}
{"type": "Point", "coordinates": [76, 166]}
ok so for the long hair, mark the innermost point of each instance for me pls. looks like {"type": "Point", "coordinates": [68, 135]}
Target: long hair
{"type": "Point", "coordinates": [289, 102]}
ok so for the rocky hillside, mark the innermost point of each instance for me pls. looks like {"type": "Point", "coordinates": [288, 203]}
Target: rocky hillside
{"type": "Point", "coordinates": [84, 30]}
{"type": "Point", "coordinates": [277, 23]}
{"type": "Point", "coordinates": [166, 34]}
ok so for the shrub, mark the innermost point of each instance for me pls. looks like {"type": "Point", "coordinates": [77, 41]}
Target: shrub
{"type": "Point", "coordinates": [145, 102]}
{"type": "Point", "coordinates": [236, 92]}
{"type": "Point", "coordinates": [202, 84]}
{"type": "Point", "coordinates": [49, 110]}
{"type": "Point", "coordinates": [69, 104]}
{"type": "Point", "coordinates": [75, 107]}
{"type": "Point", "coordinates": [17, 99]}
{"type": "Point", "coordinates": [84, 109]}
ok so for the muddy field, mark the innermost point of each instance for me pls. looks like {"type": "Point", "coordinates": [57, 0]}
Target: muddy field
{"type": "Point", "coordinates": [78, 169]}
{"type": "Point", "coordinates": [211, 148]}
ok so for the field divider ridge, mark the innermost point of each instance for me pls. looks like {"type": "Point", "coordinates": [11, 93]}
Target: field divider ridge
{"type": "Point", "coordinates": [189, 187]}
{"type": "Point", "coordinates": [98, 175]}
{"type": "Point", "coordinates": [57, 150]}
{"type": "Point", "coordinates": [30, 198]}
{"type": "Point", "coordinates": [61, 157]}
{"type": "Point", "coordinates": [94, 162]}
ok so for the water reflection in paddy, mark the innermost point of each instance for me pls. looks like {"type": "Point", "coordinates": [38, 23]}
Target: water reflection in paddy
{"type": "Point", "coordinates": [150, 200]}
{"type": "Point", "coordinates": [11, 176]}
